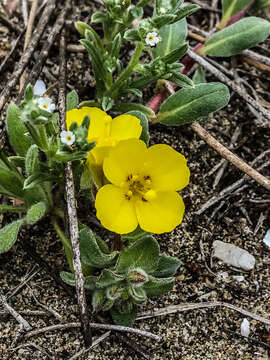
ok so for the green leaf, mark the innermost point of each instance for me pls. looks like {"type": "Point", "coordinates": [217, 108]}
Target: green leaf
{"type": "Point", "coordinates": [72, 101]}
{"type": "Point", "coordinates": [86, 181]}
{"type": "Point", "coordinates": [175, 54]}
{"type": "Point", "coordinates": [142, 254]}
{"type": "Point", "coordinates": [116, 45]}
{"type": "Point", "coordinates": [17, 131]}
{"type": "Point", "coordinates": [230, 8]}
{"type": "Point", "coordinates": [161, 20]}
{"type": "Point", "coordinates": [138, 295]}
{"type": "Point", "coordinates": [124, 107]}
{"type": "Point", "coordinates": [114, 292]}
{"type": "Point", "coordinates": [144, 123]}
{"type": "Point", "coordinates": [167, 266]}
{"type": "Point", "coordinates": [199, 76]}
{"type": "Point", "coordinates": [173, 36]}
{"type": "Point", "coordinates": [137, 277]}
{"type": "Point", "coordinates": [91, 252]}
{"type": "Point", "coordinates": [32, 164]}
{"type": "Point", "coordinates": [124, 319]}
{"type": "Point", "coordinates": [69, 278]}
{"type": "Point", "coordinates": [157, 287]}
{"type": "Point", "coordinates": [107, 103]}
{"type": "Point", "coordinates": [98, 299]}
{"type": "Point", "coordinates": [186, 11]}
{"type": "Point", "coordinates": [181, 80]}
{"type": "Point", "coordinates": [8, 235]}
{"type": "Point", "coordinates": [132, 35]}
{"type": "Point", "coordinates": [10, 184]}
{"type": "Point", "coordinates": [28, 93]}
{"type": "Point", "coordinates": [237, 37]}
{"type": "Point", "coordinates": [191, 104]}
{"type": "Point", "coordinates": [36, 212]}
{"type": "Point", "coordinates": [134, 235]}
{"type": "Point", "coordinates": [83, 27]}
{"type": "Point", "coordinates": [108, 278]}
{"type": "Point", "coordinates": [17, 161]}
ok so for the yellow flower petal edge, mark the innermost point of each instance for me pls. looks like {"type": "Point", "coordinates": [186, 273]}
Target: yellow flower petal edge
{"type": "Point", "coordinates": [143, 189]}
{"type": "Point", "coordinates": [106, 132]}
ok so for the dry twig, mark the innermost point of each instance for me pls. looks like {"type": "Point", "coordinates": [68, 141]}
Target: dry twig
{"type": "Point", "coordinates": [194, 306]}
{"type": "Point", "coordinates": [94, 326]}
{"type": "Point", "coordinates": [23, 323]}
{"type": "Point", "coordinates": [95, 343]}
{"type": "Point", "coordinates": [240, 91]}
{"type": "Point", "coordinates": [27, 55]}
{"type": "Point", "coordinates": [71, 204]}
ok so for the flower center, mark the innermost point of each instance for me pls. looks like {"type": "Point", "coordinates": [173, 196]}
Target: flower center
{"type": "Point", "coordinates": [45, 106]}
{"type": "Point", "coordinates": [139, 187]}
{"type": "Point", "coordinates": [150, 38]}
{"type": "Point", "coordinates": [69, 138]}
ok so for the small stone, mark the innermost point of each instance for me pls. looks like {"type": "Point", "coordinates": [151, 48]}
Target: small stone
{"type": "Point", "coordinates": [239, 278]}
{"type": "Point", "coordinates": [180, 277]}
{"type": "Point", "coordinates": [233, 255]}
{"type": "Point", "coordinates": [245, 328]}
{"type": "Point", "coordinates": [266, 239]}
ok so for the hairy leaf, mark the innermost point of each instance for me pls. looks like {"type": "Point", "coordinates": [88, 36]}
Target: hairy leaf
{"type": "Point", "coordinates": [8, 235]}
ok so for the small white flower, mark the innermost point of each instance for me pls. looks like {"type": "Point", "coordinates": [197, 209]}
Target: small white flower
{"type": "Point", "coordinates": [46, 104]}
{"type": "Point", "coordinates": [152, 39]}
{"type": "Point", "coordinates": [67, 137]}
{"type": "Point", "coordinates": [162, 10]}
{"type": "Point", "coordinates": [245, 328]}
{"type": "Point", "coordinates": [39, 88]}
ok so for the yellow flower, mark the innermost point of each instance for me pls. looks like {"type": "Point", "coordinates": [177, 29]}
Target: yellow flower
{"type": "Point", "coordinates": [106, 132]}
{"type": "Point", "coordinates": [143, 188]}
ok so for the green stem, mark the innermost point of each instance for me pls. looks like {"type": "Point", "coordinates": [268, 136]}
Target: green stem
{"type": "Point", "coordinates": [126, 73]}
{"type": "Point", "coordinates": [65, 241]}
{"type": "Point", "coordinates": [10, 208]}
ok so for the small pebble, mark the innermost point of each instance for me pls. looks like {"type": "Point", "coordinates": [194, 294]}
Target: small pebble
{"type": "Point", "coordinates": [233, 255]}
{"type": "Point", "coordinates": [266, 239]}
{"type": "Point", "coordinates": [245, 328]}
{"type": "Point", "coordinates": [239, 278]}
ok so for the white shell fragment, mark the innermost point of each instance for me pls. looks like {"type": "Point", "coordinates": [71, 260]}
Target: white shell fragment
{"type": "Point", "coordinates": [266, 239]}
{"type": "Point", "coordinates": [233, 255]}
{"type": "Point", "coordinates": [39, 88]}
{"type": "Point", "coordinates": [245, 328]}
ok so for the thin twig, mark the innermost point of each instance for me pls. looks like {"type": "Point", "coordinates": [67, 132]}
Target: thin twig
{"type": "Point", "coordinates": [47, 308]}
{"type": "Point", "coordinates": [94, 344]}
{"type": "Point", "coordinates": [241, 92]}
{"type": "Point", "coordinates": [37, 347]}
{"type": "Point", "coordinates": [27, 278]}
{"type": "Point", "coordinates": [28, 33]}
{"type": "Point", "coordinates": [71, 205]}
{"type": "Point", "coordinates": [225, 153]}
{"type": "Point", "coordinates": [25, 12]}
{"type": "Point", "coordinates": [27, 55]}
{"type": "Point", "coordinates": [23, 323]}
{"type": "Point", "coordinates": [94, 326]}
{"type": "Point", "coordinates": [10, 24]}
{"type": "Point", "coordinates": [194, 306]}
{"type": "Point", "coordinates": [35, 72]}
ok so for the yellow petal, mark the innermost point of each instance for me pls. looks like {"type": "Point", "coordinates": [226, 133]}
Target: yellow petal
{"type": "Point", "coordinates": [126, 127]}
{"type": "Point", "coordinates": [167, 168]}
{"type": "Point", "coordinates": [162, 214]}
{"type": "Point", "coordinates": [126, 158]}
{"type": "Point", "coordinates": [99, 120]}
{"type": "Point", "coordinates": [114, 211]}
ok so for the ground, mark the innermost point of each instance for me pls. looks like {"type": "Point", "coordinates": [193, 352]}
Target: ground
{"type": "Point", "coordinates": [198, 334]}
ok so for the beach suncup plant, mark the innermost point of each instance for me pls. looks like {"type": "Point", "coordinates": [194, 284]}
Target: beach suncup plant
{"type": "Point", "coordinates": [134, 186]}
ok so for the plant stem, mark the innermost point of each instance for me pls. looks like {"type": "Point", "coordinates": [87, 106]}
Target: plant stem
{"type": "Point", "coordinates": [125, 74]}
{"type": "Point", "coordinates": [65, 241]}
{"type": "Point", "coordinates": [117, 244]}
{"type": "Point", "coordinates": [10, 208]}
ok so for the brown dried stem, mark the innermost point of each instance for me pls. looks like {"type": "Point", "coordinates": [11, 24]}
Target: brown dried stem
{"type": "Point", "coordinates": [71, 205]}
{"type": "Point", "coordinates": [27, 55]}
{"type": "Point", "coordinates": [240, 91]}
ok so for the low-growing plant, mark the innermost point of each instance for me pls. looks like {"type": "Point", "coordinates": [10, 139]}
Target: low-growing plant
{"type": "Point", "coordinates": [134, 186]}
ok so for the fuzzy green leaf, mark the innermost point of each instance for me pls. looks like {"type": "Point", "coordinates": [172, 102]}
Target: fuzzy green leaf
{"type": "Point", "coordinates": [36, 212]}
{"type": "Point", "coordinates": [32, 164]}
{"type": "Point", "coordinates": [108, 278]}
{"type": "Point", "coordinates": [124, 319]}
{"type": "Point", "coordinates": [98, 299]}
{"type": "Point", "coordinates": [17, 131]}
{"type": "Point", "coordinates": [138, 295]}
{"type": "Point", "coordinates": [69, 278]}
{"type": "Point", "coordinates": [232, 7]}
{"type": "Point", "coordinates": [8, 235]}
{"type": "Point", "coordinates": [142, 254]}
{"type": "Point", "coordinates": [10, 184]}
{"type": "Point", "coordinates": [237, 37]}
{"type": "Point", "coordinates": [72, 101]}
{"type": "Point", "coordinates": [167, 266]}
{"type": "Point", "coordinates": [157, 287]}
{"type": "Point", "coordinates": [92, 253]}
{"type": "Point", "coordinates": [144, 123]}
{"type": "Point", "coordinates": [172, 37]}
{"type": "Point", "coordinates": [191, 104]}
{"type": "Point", "coordinates": [135, 235]}
{"type": "Point", "coordinates": [199, 76]}
{"type": "Point", "coordinates": [124, 107]}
